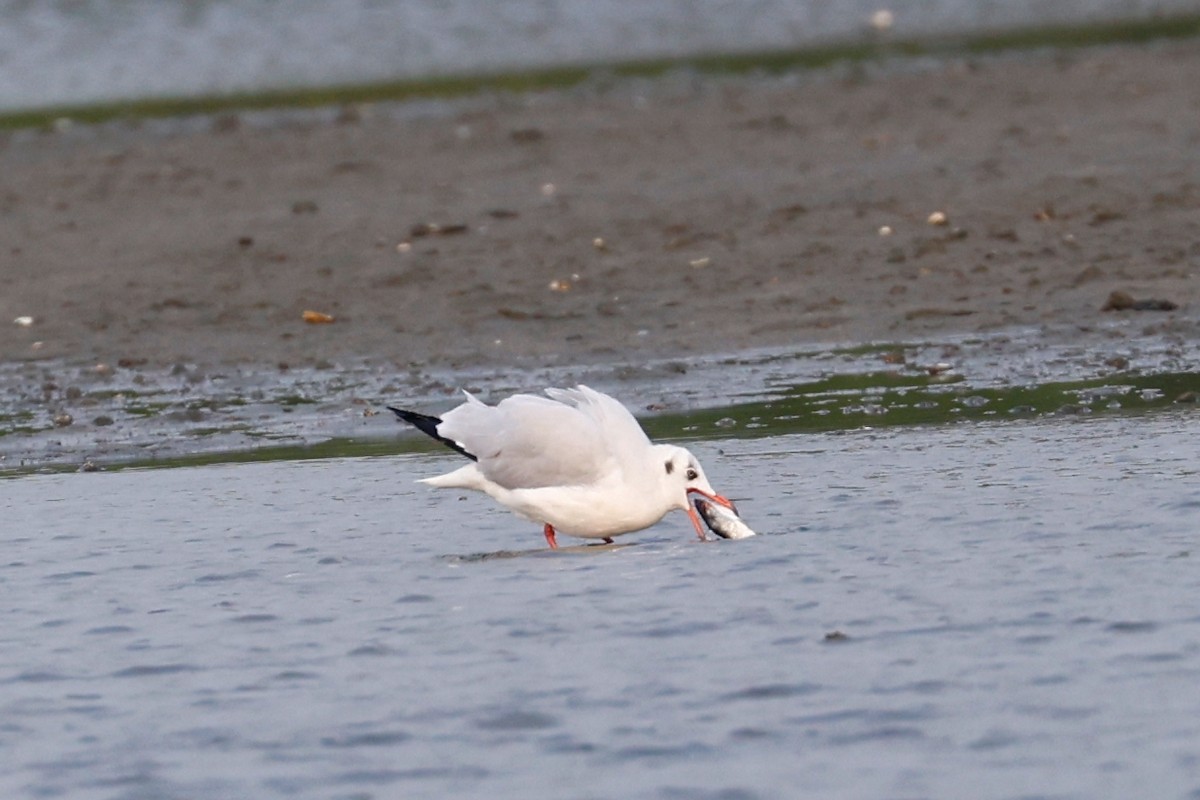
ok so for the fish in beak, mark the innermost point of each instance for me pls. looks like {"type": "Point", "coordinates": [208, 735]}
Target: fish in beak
{"type": "Point", "coordinates": [719, 514]}
{"type": "Point", "coordinates": [721, 517]}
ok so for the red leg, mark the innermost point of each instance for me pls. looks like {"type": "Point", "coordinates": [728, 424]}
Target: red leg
{"type": "Point", "coordinates": [549, 531]}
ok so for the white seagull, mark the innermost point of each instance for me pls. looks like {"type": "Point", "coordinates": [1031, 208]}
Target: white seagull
{"type": "Point", "coordinates": [575, 461]}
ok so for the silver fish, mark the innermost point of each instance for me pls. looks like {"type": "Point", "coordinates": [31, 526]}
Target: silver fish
{"type": "Point", "coordinates": [724, 522]}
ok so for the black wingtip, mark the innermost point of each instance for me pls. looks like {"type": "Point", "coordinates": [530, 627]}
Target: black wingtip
{"type": "Point", "coordinates": [427, 425]}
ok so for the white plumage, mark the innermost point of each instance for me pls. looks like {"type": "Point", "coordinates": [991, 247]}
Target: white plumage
{"type": "Point", "coordinates": [575, 461]}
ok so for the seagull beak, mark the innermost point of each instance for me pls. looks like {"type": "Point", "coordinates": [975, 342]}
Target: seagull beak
{"type": "Point", "coordinates": [716, 498]}
{"type": "Point", "coordinates": [696, 522]}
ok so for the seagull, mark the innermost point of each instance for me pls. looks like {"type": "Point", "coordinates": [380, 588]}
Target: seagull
{"type": "Point", "coordinates": [575, 461]}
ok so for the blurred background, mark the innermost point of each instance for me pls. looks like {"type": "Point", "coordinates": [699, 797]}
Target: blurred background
{"type": "Point", "coordinates": [63, 52]}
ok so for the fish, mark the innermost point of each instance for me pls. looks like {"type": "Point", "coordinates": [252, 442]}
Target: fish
{"type": "Point", "coordinates": [724, 522]}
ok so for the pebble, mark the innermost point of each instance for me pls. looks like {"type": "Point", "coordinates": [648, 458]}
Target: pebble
{"type": "Point", "coordinates": [882, 20]}
{"type": "Point", "coordinates": [1123, 301]}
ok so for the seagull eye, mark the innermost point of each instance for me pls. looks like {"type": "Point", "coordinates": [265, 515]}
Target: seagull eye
{"type": "Point", "coordinates": [692, 474]}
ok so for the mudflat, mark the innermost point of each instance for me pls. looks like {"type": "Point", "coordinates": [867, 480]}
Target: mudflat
{"type": "Point", "coordinates": [618, 222]}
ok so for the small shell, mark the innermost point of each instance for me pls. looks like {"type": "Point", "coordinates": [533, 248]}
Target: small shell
{"type": "Point", "coordinates": [316, 317]}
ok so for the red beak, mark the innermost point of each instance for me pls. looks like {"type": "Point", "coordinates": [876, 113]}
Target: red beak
{"type": "Point", "coordinates": [716, 498]}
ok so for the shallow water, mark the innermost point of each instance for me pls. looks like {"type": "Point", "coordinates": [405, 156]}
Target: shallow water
{"type": "Point", "coordinates": [990, 610]}
{"type": "Point", "coordinates": [101, 50]}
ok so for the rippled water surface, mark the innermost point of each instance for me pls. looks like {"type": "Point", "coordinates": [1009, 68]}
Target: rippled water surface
{"type": "Point", "coordinates": [980, 610]}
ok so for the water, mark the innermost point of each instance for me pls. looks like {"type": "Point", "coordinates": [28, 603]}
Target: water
{"type": "Point", "coordinates": [82, 51]}
{"type": "Point", "coordinates": [986, 610]}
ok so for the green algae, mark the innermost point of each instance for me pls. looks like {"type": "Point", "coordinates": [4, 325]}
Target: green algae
{"type": "Point", "coordinates": [845, 402]}
{"type": "Point", "coordinates": [841, 402]}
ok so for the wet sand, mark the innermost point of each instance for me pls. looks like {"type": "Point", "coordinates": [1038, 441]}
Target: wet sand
{"type": "Point", "coordinates": [618, 222]}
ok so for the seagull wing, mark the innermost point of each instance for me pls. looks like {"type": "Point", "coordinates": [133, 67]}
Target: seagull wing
{"type": "Point", "coordinates": [530, 442]}
{"type": "Point", "coordinates": [622, 433]}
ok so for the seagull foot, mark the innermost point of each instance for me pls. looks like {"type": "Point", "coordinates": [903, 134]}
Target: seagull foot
{"type": "Point", "coordinates": [608, 540]}
{"type": "Point", "coordinates": [550, 540]}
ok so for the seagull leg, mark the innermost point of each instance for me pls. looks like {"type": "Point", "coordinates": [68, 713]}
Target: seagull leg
{"type": "Point", "coordinates": [608, 540]}
{"type": "Point", "coordinates": [549, 531]}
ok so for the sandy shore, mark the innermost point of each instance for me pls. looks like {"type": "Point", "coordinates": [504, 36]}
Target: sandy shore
{"type": "Point", "coordinates": [621, 223]}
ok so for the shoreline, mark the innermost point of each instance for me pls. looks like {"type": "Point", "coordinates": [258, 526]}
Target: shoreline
{"type": "Point", "coordinates": [644, 220]}
{"type": "Point", "coordinates": [134, 417]}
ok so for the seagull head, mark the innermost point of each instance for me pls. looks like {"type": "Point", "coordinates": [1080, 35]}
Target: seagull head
{"type": "Point", "coordinates": [683, 477]}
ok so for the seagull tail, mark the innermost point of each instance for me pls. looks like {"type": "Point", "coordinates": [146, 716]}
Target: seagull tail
{"type": "Point", "coordinates": [428, 425]}
{"type": "Point", "coordinates": [467, 477]}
